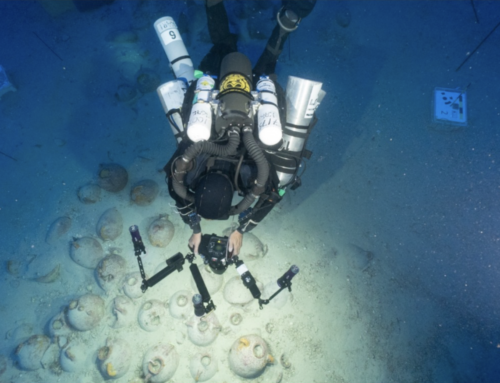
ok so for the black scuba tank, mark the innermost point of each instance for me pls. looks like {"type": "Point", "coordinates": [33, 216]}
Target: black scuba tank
{"type": "Point", "coordinates": [235, 99]}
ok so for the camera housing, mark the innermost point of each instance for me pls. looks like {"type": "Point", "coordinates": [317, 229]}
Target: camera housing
{"type": "Point", "coordinates": [213, 250]}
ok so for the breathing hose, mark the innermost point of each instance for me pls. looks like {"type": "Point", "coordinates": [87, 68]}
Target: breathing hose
{"type": "Point", "coordinates": [262, 172]}
{"type": "Point", "coordinates": [185, 163]}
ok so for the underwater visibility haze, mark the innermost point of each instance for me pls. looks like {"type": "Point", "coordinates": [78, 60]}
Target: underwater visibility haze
{"type": "Point", "coordinates": [392, 238]}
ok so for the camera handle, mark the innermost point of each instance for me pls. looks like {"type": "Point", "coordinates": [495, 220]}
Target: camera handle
{"type": "Point", "coordinates": [138, 249]}
{"type": "Point", "coordinates": [205, 305]}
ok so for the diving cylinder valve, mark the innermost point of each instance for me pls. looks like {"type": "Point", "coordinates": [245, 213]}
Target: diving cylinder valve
{"type": "Point", "coordinates": [199, 125]}
{"type": "Point", "coordinates": [174, 47]}
{"type": "Point", "coordinates": [171, 96]}
{"type": "Point", "coordinates": [268, 116]}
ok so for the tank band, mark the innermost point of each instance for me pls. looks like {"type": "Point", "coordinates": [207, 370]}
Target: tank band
{"type": "Point", "coordinates": [179, 59]}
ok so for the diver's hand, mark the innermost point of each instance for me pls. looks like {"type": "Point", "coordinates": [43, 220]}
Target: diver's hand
{"type": "Point", "coordinates": [194, 243]}
{"type": "Point", "coordinates": [235, 242]}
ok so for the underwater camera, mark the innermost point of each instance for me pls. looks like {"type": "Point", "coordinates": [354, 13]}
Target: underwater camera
{"type": "Point", "coordinates": [214, 252]}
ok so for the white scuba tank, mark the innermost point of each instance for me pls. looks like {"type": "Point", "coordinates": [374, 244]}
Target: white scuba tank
{"type": "Point", "coordinates": [302, 99]}
{"type": "Point", "coordinates": [174, 47]}
{"type": "Point", "coordinates": [199, 125]}
{"type": "Point", "coordinates": [268, 117]}
{"type": "Point", "coordinates": [171, 96]}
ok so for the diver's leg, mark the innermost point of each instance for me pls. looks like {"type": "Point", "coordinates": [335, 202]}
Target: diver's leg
{"type": "Point", "coordinates": [218, 23]}
{"type": "Point", "coordinates": [288, 20]}
{"type": "Point", "coordinates": [224, 41]}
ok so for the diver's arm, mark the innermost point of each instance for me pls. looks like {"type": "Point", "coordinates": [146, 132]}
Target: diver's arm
{"type": "Point", "coordinates": [194, 243]}
{"type": "Point", "coordinates": [184, 208]}
{"type": "Point", "coordinates": [255, 216]}
{"type": "Point", "coordinates": [189, 217]}
{"type": "Point", "coordinates": [235, 242]}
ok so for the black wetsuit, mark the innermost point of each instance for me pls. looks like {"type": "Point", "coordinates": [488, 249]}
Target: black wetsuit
{"type": "Point", "coordinates": [225, 42]}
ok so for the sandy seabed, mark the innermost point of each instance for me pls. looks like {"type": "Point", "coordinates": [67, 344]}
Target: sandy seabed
{"type": "Point", "coordinates": [395, 228]}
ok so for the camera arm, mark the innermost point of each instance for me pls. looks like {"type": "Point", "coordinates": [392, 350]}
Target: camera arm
{"type": "Point", "coordinates": [173, 263]}
{"type": "Point", "coordinates": [202, 302]}
{"type": "Point", "coordinates": [266, 301]}
{"type": "Point", "coordinates": [204, 296]}
{"type": "Point", "coordinates": [285, 281]}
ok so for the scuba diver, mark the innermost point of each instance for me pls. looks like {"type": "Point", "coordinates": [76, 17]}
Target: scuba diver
{"type": "Point", "coordinates": [232, 130]}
